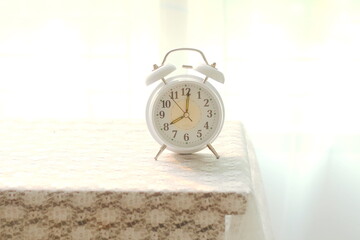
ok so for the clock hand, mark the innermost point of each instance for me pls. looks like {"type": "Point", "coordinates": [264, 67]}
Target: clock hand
{"type": "Point", "coordinates": [176, 120]}
{"type": "Point", "coordinates": [187, 114]}
{"type": "Point", "coordinates": [187, 102]}
{"type": "Point", "coordinates": [177, 104]}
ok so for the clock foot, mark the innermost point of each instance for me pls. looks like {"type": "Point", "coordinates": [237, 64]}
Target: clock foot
{"type": "Point", "coordinates": [160, 151]}
{"type": "Point", "coordinates": [212, 149]}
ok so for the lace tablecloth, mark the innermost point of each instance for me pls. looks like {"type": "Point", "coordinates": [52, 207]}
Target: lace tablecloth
{"type": "Point", "coordinates": [99, 180]}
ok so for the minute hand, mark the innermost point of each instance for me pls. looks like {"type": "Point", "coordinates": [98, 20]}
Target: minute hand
{"type": "Point", "coordinates": [187, 102]}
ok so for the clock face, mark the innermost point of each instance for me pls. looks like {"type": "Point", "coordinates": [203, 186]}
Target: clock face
{"type": "Point", "coordinates": [186, 115]}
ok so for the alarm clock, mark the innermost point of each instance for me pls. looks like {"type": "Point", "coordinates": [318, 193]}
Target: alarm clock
{"type": "Point", "coordinates": [185, 113]}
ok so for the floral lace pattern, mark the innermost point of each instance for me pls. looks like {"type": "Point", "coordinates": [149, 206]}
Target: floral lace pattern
{"type": "Point", "coordinates": [115, 215]}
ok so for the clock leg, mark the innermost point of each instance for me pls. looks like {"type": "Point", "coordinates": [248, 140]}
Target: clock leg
{"type": "Point", "coordinates": [160, 151]}
{"type": "Point", "coordinates": [212, 149]}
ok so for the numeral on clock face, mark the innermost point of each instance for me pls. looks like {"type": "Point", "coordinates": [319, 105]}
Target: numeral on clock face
{"type": "Point", "coordinates": [206, 102]}
{"type": "Point", "coordinates": [186, 137]}
{"type": "Point", "coordinates": [165, 103]}
{"type": "Point", "coordinates": [174, 95]}
{"type": "Point", "coordinates": [185, 91]}
{"type": "Point", "coordinates": [186, 112]}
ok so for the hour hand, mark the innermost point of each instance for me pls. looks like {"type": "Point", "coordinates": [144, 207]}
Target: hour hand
{"type": "Point", "coordinates": [176, 120]}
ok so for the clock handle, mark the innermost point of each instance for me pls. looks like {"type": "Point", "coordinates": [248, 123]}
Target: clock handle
{"type": "Point", "coordinates": [185, 49]}
{"type": "Point", "coordinates": [208, 70]}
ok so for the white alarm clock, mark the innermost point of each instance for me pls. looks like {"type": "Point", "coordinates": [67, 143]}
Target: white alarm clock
{"type": "Point", "coordinates": [185, 113]}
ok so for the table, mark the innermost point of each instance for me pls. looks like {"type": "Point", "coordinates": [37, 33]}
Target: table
{"type": "Point", "coordinates": [98, 180]}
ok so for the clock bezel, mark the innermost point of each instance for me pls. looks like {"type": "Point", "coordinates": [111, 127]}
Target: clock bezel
{"type": "Point", "coordinates": [170, 82]}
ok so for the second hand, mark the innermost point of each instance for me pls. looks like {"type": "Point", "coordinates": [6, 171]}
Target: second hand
{"type": "Point", "coordinates": [177, 104]}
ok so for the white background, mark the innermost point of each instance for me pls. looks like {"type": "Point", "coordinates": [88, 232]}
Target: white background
{"type": "Point", "coordinates": [292, 73]}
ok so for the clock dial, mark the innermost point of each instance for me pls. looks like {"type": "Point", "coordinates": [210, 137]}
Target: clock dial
{"type": "Point", "coordinates": [186, 114]}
